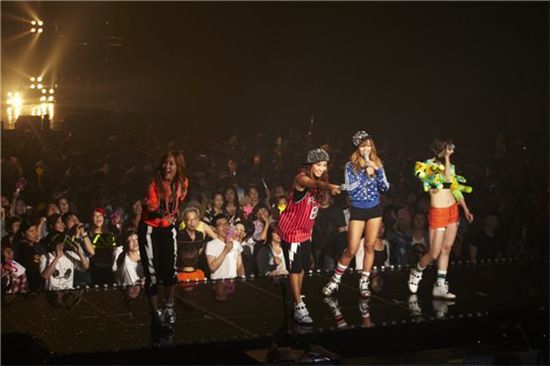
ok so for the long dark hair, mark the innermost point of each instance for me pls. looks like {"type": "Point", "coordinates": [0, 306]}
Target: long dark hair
{"type": "Point", "coordinates": [306, 169]}
{"type": "Point", "coordinates": [236, 202]}
{"type": "Point", "coordinates": [179, 179]}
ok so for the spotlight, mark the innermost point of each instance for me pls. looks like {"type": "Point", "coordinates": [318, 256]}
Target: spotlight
{"type": "Point", "coordinates": [42, 98]}
{"type": "Point", "coordinates": [50, 98]}
{"type": "Point", "coordinates": [37, 26]}
{"type": "Point", "coordinates": [33, 79]}
{"type": "Point", "coordinates": [33, 86]}
{"type": "Point", "coordinates": [15, 100]}
{"type": "Point", "coordinates": [39, 86]}
{"type": "Point", "coordinates": [44, 91]}
{"type": "Point", "coordinates": [51, 91]}
{"type": "Point", "coordinates": [39, 78]}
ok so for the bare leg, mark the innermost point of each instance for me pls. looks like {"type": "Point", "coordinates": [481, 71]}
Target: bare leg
{"type": "Point", "coordinates": [371, 234]}
{"type": "Point", "coordinates": [300, 282]}
{"type": "Point", "coordinates": [436, 241]}
{"type": "Point", "coordinates": [448, 241]}
{"type": "Point", "coordinates": [295, 288]}
{"type": "Point", "coordinates": [355, 231]}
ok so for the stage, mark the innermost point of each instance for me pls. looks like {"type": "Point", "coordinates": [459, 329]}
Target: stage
{"type": "Point", "coordinates": [501, 310]}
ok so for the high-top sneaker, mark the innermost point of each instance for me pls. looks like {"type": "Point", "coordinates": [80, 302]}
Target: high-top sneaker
{"type": "Point", "coordinates": [414, 279]}
{"type": "Point", "coordinates": [331, 287]}
{"type": "Point", "coordinates": [301, 315]}
{"type": "Point", "coordinates": [441, 290]}
{"type": "Point", "coordinates": [364, 283]}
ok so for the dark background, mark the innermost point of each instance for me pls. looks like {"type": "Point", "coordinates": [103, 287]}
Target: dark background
{"type": "Point", "coordinates": [399, 70]}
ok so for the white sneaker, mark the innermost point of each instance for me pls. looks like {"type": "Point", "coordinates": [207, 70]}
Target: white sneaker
{"type": "Point", "coordinates": [414, 279]}
{"type": "Point", "coordinates": [364, 286]}
{"type": "Point", "coordinates": [331, 287]}
{"type": "Point", "coordinates": [442, 291]}
{"type": "Point", "coordinates": [301, 315]}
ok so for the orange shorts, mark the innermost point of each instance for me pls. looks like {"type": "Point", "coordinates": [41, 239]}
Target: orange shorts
{"type": "Point", "coordinates": [440, 218]}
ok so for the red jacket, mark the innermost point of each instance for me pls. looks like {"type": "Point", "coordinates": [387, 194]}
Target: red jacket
{"type": "Point", "coordinates": [163, 212]}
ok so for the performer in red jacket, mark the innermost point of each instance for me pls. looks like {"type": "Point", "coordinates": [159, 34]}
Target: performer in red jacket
{"type": "Point", "coordinates": [157, 233]}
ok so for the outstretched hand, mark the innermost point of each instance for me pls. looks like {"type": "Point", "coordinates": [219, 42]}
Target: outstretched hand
{"type": "Point", "coordinates": [335, 190]}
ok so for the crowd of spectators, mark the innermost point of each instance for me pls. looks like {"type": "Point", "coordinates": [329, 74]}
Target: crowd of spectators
{"type": "Point", "coordinates": [71, 205]}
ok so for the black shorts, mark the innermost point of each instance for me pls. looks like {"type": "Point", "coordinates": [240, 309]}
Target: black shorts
{"type": "Point", "coordinates": [297, 256]}
{"type": "Point", "coordinates": [157, 249]}
{"type": "Point", "coordinates": [364, 214]}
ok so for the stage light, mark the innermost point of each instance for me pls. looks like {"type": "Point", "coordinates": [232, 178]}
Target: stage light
{"type": "Point", "coordinates": [44, 91]}
{"type": "Point", "coordinates": [39, 86]}
{"type": "Point", "coordinates": [50, 98]}
{"type": "Point", "coordinates": [33, 79]}
{"type": "Point", "coordinates": [42, 98]}
{"type": "Point", "coordinates": [39, 78]}
{"type": "Point", "coordinates": [37, 26]}
{"type": "Point", "coordinates": [16, 100]}
{"type": "Point", "coordinates": [33, 86]}
{"type": "Point", "coordinates": [51, 91]}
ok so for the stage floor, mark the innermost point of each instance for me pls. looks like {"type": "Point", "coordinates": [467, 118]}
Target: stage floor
{"type": "Point", "coordinates": [107, 320]}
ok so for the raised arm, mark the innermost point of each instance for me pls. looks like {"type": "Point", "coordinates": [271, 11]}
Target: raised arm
{"type": "Point", "coordinates": [304, 181]}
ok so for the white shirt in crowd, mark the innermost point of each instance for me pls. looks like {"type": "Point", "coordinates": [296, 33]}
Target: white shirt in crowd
{"type": "Point", "coordinates": [63, 275]}
{"type": "Point", "coordinates": [281, 268]}
{"type": "Point", "coordinates": [130, 272]}
{"type": "Point", "coordinates": [228, 268]}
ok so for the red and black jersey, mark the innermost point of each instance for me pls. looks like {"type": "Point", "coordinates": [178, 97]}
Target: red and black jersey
{"type": "Point", "coordinates": [297, 220]}
{"type": "Point", "coordinates": [161, 212]}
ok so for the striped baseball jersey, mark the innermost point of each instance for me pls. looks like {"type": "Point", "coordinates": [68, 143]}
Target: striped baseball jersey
{"type": "Point", "coordinates": [297, 220]}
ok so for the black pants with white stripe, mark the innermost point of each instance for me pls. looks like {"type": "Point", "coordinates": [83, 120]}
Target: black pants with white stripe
{"type": "Point", "coordinates": [297, 256]}
{"type": "Point", "coordinates": [158, 252]}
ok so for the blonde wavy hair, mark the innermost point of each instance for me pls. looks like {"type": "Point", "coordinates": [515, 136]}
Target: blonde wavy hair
{"type": "Point", "coordinates": [358, 161]}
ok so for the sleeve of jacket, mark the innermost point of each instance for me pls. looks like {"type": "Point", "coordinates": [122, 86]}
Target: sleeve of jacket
{"type": "Point", "coordinates": [383, 184]}
{"type": "Point", "coordinates": [353, 180]}
{"type": "Point", "coordinates": [153, 202]}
